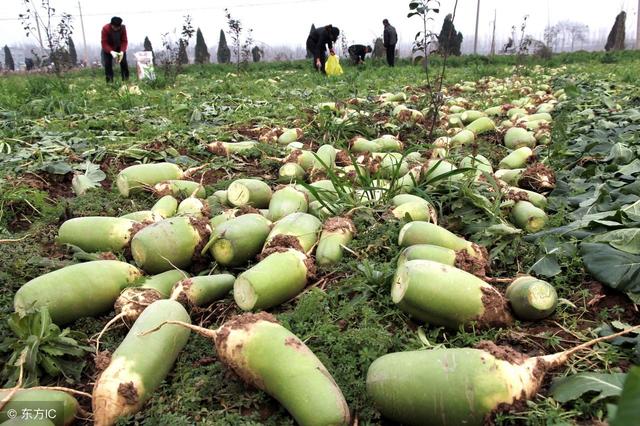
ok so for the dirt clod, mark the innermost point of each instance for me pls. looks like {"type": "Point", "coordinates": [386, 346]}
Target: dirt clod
{"type": "Point", "coordinates": [129, 392]}
{"type": "Point", "coordinates": [504, 353]}
{"type": "Point", "coordinates": [538, 178]}
{"type": "Point", "coordinates": [496, 309]}
{"type": "Point", "coordinates": [102, 360]}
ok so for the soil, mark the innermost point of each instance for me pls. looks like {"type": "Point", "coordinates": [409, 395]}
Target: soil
{"type": "Point", "coordinates": [339, 224]}
{"type": "Point", "coordinates": [182, 297]}
{"type": "Point", "coordinates": [496, 309]}
{"type": "Point", "coordinates": [216, 148]}
{"type": "Point", "coordinates": [472, 264]}
{"type": "Point", "coordinates": [538, 178]}
{"type": "Point", "coordinates": [201, 225]}
{"type": "Point", "coordinates": [129, 392]}
{"type": "Point", "coordinates": [504, 353]}
{"type": "Point", "coordinates": [281, 243]}
{"type": "Point", "coordinates": [102, 360]}
{"type": "Point", "coordinates": [343, 159]}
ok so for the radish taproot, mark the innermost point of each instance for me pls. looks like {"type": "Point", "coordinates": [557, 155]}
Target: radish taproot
{"type": "Point", "coordinates": [237, 240]}
{"type": "Point", "coordinates": [166, 206]}
{"type": "Point", "coordinates": [517, 159]}
{"type": "Point", "coordinates": [297, 230]}
{"type": "Point", "coordinates": [428, 233]}
{"type": "Point", "coordinates": [202, 290]}
{"type": "Point", "coordinates": [40, 399]}
{"type": "Point", "coordinates": [77, 291]}
{"type": "Point", "coordinates": [141, 176]}
{"type": "Point", "coordinates": [531, 298]}
{"type": "Point", "coordinates": [447, 296]}
{"type": "Point", "coordinates": [416, 387]}
{"type": "Point", "coordinates": [180, 189]}
{"type": "Point", "coordinates": [528, 217]}
{"type": "Point", "coordinates": [286, 201]}
{"type": "Point", "coordinates": [337, 232]}
{"type": "Point", "coordinates": [274, 280]}
{"type": "Point", "coordinates": [225, 149]}
{"type": "Point", "coordinates": [249, 192]}
{"type": "Point", "coordinates": [168, 244]}
{"type": "Point", "coordinates": [140, 364]}
{"type": "Point", "coordinates": [147, 216]}
{"type": "Point", "coordinates": [249, 344]}
{"type": "Point", "coordinates": [97, 233]}
{"type": "Point", "coordinates": [290, 173]}
{"type": "Point", "coordinates": [480, 125]}
{"type": "Point", "coordinates": [427, 252]}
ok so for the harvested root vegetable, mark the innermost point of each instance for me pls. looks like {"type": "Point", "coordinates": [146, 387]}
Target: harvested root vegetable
{"type": "Point", "coordinates": [77, 291]}
{"type": "Point", "coordinates": [143, 216]}
{"type": "Point", "coordinates": [361, 145]}
{"type": "Point", "coordinates": [291, 172]}
{"type": "Point", "coordinates": [534, 198]}
{"type": "Point", "coordinates": [249, 343]}
{"type": "Point", "coordinates": [286, 201]}
{"type": "Point", "coordinates": [221, 197]}
{"type": "Point", "coordinates": [481, 125]}
{"type": "Point", "coordinates": [303, 158]}
{"type": "Point", "coordinates": [325, 158]}
{"type": "Point", "coordinates": [538, 178]}
{"type": "Point", "coordinates": [416, 387]}
{"type": "Point", "coordinates": [401, 199]}
{"type": "Point", "coordinates": [478, 162]}
{"type": "Point", "coordinates": [226, 149]}
{"type": "Point", "coordinates": [274, 280]}
{"type": "Point", "coordinates": [414, 211]}
{"type": "Point", "coordinates": [29, 399]}
{"type": "Point", "coordinates": [517, 137]}
{"type": "Point", "coordinates": [427, 252]}
{"type": "Point", "coordinates": [509, 176]}
{"type": "Point", "coordinates": [140, 176]}
{"type": "Point", "coordinates": [223, 217]}
{"type": "Point", "coordinates": [427, 233]}
{"type": "Point", "coordinates": [516, 159]}
{"type": "Point", "coordinates": [302, 227]}
{"type": "Point", "coordinates": [531, 298]}
{"type": "Point", "coordinates": [336, 234]}
{"type": "Point", "coordinates": [528, 217]}
{"type": "Point", "coordinates": [447, 296]}
{"type": "Point", "coordinates": [203, 290]}
{"type": "Point", "coordinates": [249, 192]}
{"type": "Point", "coordinates": [169, 244]}
{"type": "Point", "coordinates": [290, 135]}
{"type": "Point", "coordinates": [239, 239]}
{"type": "Point", "coordinates": [192, 206]}
{"type": "Point", "coordinates": [463, 137]}
{"type": "Point", "coordinates": [166, 206]}
{"type": "Point", "coordinates": [471, 116]}
{"type": "Point", "coordinates": [437, 168]}
{"type": "Point", "coordinates": [97, 233]}
{"type": "Point", "coordinates": [180, 189]}
{"type": "Point", "coordinates": [140, 363]}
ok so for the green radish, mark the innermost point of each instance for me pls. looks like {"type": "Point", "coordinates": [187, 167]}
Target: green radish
{"type": "Point", "coordinates": [424, 387]}
{"type": "Point", "coordinates": [226, 149]}
{"type": "Point", "coordinates": [407, 182]}
{"type": "Point", "coordinates": [294, 145]}
{"type": "Point", "coordinates": [528, 217]}
{"type": "Point", "coordinates": [437, 168]}
{"type": "Point", "coordinates": [166, 206]}
{"type": "Point", "coordinates": [38, 399]}
{"type": "Point", "coordinates": [169, 244]}
{"type": "Point", "coordinates": [427, 252]}
{"type": "Point", "coordinates": [325, 158]}
{"type": "Point", "coordinates": [481, 125]}
{"type": "Point", "coordinates": [545, 116]}
{"type": "Point", "coordinates": [192, 206]}
{"type": "Point", "coordinates": [391, 166]}
{"type": "Point", "coordinates": [318, 210]}
{"type": "Point", "coordinates": [223, 217]}
{"type": "Point", "coordinates": [471, 115]}
{"type": "Point", "coordinates": [427, 233]}
{"type": "Point", "coordinates": [336, 234]}
{"type": "Point", "coordinates": [517, 159]}
{"type": "Point", "coordinates": [494, 111]}
{"type": "Point", "coordinates": [221, 196]}
{"type": "Point", "coordinates": [141, 176]}
{"type": "Point", "coordinates": [143, 216]}
{"type": "Point", "coordinates": [303, 227]}
{"type": "Point", "coordinates": [140, 364]}
{"type": "Point", "coordinates": [239, 239]}
{"type": "Point", "coordinates": [515, 113]}
{"type": "Point", "coordinates": [456, 109]}
{"type": "Point", "coordinates": [479, 162]}
{"type": "Point", "coordinates": [303, 158]}
{"type": "Point", "coordinates": [509, 176]}
{"type": "Point", "coordinates": [401, 199]}
{"type": "Point", "coordinates": [517, 137]}
{"type": "Point", "coordinates": [249, 192]}
{"type": "Point", "coordinates": [290, 135]}
{"type": "Point", "coordinates": [203, 290]}
{"type": "Point", "coordinates": [274, 280]}
{"type": "Point", "coordinates": [77, 291]}
{"type": "Point", "coordinates": [454, 121]}
{"type": "Point", "coordinates": [531, 298]}
{"type": "Point", "coordinates": [388, 143]}
{"type": "Point", "coordinates": [534, 198]}
{"type": "Point", "coordinates": [444, 295]}
{"type": "Point", "coordinates": [180, 189]}
{"type": "Point", "coordinates": [546, 107]}
{"type": "Point", "coordinates": [291, 172]}
{"type": "Point", "coordinates": [538, 124]}
{"type": "Point", "coordinates": [97, 233]}
{"type": "Point", "coordinates": [414, 211]}
{"type": "Point", "coordinates": [286, 201]}
{"type": "Point", "coordinates": [463, 137]}
{"type": "Point", "coordinates": [249, 344]}
{"type": "Point", "coordinates": [360, 145]}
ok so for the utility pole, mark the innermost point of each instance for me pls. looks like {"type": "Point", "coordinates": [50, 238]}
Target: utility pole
{"type": "Point", "coordinates": [84, 38]}
{"type": "Point", "coordinates": [493, 36]}
{"type": "Point", "coordinates": [475, 40]}
{"type": "Point", "coordinates": [35, 14]}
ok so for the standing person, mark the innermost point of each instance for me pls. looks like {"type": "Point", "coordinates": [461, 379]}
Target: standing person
{"type": "Point", "coordinates": [390, 39]}
{"type": "Point", "coordinates": [317, 44]}
{"type": "Point", "coordinates": [114, 47]}
{"type": "Point", "coordinates": [358, 52]}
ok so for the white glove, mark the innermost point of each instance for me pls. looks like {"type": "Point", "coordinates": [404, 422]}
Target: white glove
{"type": "Point", "coordinates": [114, 54]}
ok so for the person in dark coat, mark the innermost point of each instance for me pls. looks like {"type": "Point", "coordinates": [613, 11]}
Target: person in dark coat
{"type": "Point", "coordinates": [390, 39]}
{"type": "Point", "coordinates": [114, 47]}
{"type": "Point", "coordinates": [317, 44]}
{"type": "Point", "coordinates": [358, 52]}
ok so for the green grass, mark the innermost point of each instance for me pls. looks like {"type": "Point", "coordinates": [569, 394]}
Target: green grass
{"type": "Point", "coordinates": [348, 320]}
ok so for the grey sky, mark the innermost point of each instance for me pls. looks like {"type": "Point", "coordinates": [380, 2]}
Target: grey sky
{"type": "Point", "coordinates": [287, 22]}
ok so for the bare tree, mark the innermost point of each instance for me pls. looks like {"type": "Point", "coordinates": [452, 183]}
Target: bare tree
{"type": "Point", "coordinates": [241, 47]}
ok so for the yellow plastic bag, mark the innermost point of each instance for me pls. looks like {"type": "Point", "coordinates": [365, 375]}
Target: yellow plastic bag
{"type": "Point", "coordinates": [332, 66]}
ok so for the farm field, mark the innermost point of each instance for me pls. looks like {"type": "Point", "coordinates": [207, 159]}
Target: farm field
{"type": "Point", "coordinates": [65, 142]}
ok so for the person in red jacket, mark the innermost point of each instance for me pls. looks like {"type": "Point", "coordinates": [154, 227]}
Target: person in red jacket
{"type": "Point", "coordinates": [114, 47]}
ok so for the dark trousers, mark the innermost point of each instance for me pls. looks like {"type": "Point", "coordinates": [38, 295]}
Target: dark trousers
{"type": "Point", "coordinates": [311, 46]}
{"type": "Point", "coordinates": [108, 67]}
{"type": "Point", "coordinates": [391, 55]}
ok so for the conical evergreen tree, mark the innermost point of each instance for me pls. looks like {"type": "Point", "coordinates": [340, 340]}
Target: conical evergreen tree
{"type": "Point", "coordinates": [8, 59]}
{"type": "Point", "coordinates": [183, 58]}
{"type": "Point", "coordinates": [202, 51]}
{"type": "Point", "coordinates": [149, 48]}
{"type": "Point", "coordinates": [449, 39]}
{"type": "Point", "coordinates": [224, 53]}
{"type": "Point", "coordinates": [73, 55]}
{"type": "Point", "coordinates": [309, 54]}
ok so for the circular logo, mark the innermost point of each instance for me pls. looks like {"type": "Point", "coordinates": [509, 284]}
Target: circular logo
{"type": "Point", "coordinates": [12, 414]}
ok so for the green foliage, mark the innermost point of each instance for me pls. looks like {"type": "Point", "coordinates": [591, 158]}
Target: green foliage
{"type": "Point", "coordinates": [605, 385]}
{"type": "Point", "coordinates": [40, 348]}
{"type": "Point", "coordinates": [224, 53]}
{"type": "Point", "coordinates": [202, 51]}
{"type": "Point", "coordinates": [628, 409]}
{"type": "Point", "coordinates": [449, 40]}
{"type": "Point", "coordinates": [8, 59]}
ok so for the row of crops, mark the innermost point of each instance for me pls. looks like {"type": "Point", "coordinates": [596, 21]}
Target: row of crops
{"type": "Point", "coordinates": [263, 242]}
